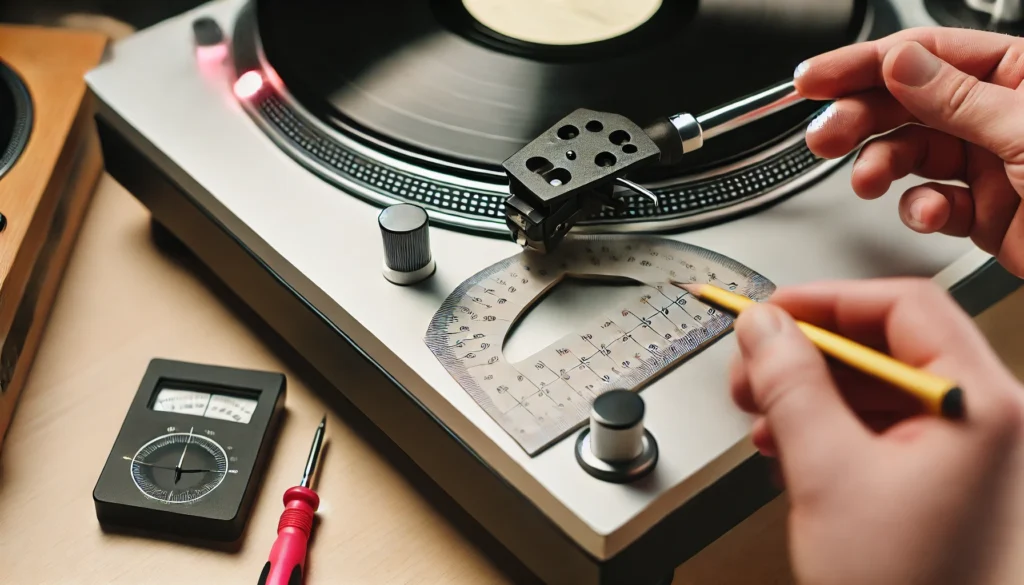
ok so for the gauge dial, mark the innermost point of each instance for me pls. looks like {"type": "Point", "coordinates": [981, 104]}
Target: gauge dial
{"type": "Point", "coordinates": [179, 468]}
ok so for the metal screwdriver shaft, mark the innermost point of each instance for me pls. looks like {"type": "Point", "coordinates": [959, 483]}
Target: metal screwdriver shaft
{"type": "Point", "coordinates": [288, 556]}
{"type": "Point", "coordinates": [314, 454]}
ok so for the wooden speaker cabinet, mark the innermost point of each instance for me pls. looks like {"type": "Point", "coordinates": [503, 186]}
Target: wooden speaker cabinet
{"type": "Point", "coordinates": [50, 162]}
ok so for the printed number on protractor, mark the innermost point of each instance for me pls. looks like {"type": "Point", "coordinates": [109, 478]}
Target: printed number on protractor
{"type": "Point", "coordinates": [540, 399]}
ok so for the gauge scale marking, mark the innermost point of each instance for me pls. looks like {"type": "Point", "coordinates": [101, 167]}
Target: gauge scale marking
{"type": "Point", "coordinates": [539, 400]}
{"type": "Point", "coordinates": [205, 404]}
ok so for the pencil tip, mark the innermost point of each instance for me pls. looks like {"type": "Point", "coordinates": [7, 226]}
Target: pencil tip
{"type": "Point", "coordinates": [690, 287]}
{"type": "Point", "coordinates": [323, 421]}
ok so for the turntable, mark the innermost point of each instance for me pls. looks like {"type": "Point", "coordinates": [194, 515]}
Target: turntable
{"type": "Point", "coordinates": [351, 174]}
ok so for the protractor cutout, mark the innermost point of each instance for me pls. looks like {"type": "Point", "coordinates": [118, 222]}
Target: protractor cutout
{"type": "Point", "coordinates": [627, 343]}
{"type": "Point", "coordinates": [565, 308]}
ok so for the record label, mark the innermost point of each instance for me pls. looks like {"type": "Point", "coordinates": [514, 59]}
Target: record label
{"type": "Point", "coordinates": [562, 22]}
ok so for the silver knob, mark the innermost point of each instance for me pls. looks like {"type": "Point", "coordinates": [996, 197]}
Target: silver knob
{"type": "Point", "coordinates": [405, 232]}
{"type": "Point", "coordinates": [1001, 10]}
{"type": "Point", "coordinates": [617, 426]}
{"type": "Point", "coordinates": [616, 447]}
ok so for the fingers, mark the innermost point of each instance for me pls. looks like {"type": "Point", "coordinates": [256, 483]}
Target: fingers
{"type": "Point", "coordinates": [849, 121]}
{"type": "Point", "coordinates": [995, 202]}
{"type": "Point", "coordinates": [761, 436]}
{"type": "Point", "coordinates": [947, 99]}
{"type": "Point", "coordinates": [919, 322]}
{"type": "Point", "coordinates": [958, 81]}
{"type": "Point", "coordinates": [1011, 253]}
{"type": "Point", "coordinates": [910, 150]}
{"type": "Point", "coordinates": [869, 397]}
{"type": "Point", "coordinates": [858, 68]}
{"type": "Point", "coordinates": [739, 385]}
{"type": "Point", "coordinates": [985, 213]}
{"type": "Point", "coordinates": [938, 208]}
{"type": "Point", "coordinates": [929, 208]}
{"type": "Point", "coordinates": [864, 310]}
{"type": "Point", "coordinates": [809, 427]}
{"type": "Point", "coordinates": [895, 425]}
{"type": "Point", "coordinates": [918, 86]}
{"type": "Point", "coordinates": [790, 384]}
{"type": "Point", "coordinates": [865, 395]}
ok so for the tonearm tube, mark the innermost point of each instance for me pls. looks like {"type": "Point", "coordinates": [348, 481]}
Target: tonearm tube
{"type": "Point", "coordinates": [569, 173]}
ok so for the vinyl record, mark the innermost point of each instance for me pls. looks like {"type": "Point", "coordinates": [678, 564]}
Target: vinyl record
{"type": "Point", "coordinates": [431, 77]}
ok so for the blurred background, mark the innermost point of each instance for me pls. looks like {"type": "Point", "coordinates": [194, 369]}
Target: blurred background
{"type": "Point", "coordinates": [115, 18]}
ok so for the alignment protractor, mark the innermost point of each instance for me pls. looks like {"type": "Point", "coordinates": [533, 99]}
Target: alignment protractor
{"type": "Point", "coordinates": [540, 399]}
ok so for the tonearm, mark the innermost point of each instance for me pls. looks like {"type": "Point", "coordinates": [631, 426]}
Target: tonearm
{"type": "Point", "coordinates": [569, 173]}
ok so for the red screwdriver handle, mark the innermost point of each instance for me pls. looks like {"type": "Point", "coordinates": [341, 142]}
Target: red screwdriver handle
{"type": "Point", "coordinates": [288, 556]}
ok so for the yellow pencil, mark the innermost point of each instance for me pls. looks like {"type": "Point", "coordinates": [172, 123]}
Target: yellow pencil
{"type": "Point", "coordinates": [940, 395]}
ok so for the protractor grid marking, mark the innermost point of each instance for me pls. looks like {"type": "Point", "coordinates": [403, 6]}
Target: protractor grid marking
{"type": "Point", "coordinates": [548, 395]}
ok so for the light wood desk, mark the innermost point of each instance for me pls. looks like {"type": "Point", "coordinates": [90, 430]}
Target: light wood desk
{"type": "Point", "coordinates": [125, 301]}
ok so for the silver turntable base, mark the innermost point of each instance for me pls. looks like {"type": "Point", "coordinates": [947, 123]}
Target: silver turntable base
{"type": "Point", "coordinates": [307, 259]}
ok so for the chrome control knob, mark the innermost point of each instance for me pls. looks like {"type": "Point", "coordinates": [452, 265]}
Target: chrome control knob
{"type": "Point", "coordinates": [616, 447]}
{"type": "Point", "coordinates": [405, 232]}
{"type": "Point", "coordinates": [617, 426]}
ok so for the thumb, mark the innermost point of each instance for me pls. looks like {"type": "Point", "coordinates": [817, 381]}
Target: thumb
{"type": "Point", "coordinates": [951, 101]}
{"type": "Point", "coordinates": [791, 385]}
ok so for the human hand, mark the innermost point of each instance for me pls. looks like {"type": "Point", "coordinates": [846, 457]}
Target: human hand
{"type": "Point", "coordinates": [880, 492]}
{"type": "Point", "coordinates": [955, 101]}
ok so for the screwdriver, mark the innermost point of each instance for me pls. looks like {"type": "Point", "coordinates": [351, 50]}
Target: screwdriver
{"type": "Point", "coordinates": [288, 555]}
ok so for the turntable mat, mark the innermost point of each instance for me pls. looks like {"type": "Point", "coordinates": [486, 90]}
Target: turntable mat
{"type": "Point", "coordinates": [427, 76]}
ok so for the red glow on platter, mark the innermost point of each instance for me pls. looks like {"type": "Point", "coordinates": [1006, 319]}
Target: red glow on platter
{"type": "Point", "coordinates": [248, 84]}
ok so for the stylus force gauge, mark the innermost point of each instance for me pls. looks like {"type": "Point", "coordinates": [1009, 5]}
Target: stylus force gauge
{"type": "Point", "coordinates": [191, 451]}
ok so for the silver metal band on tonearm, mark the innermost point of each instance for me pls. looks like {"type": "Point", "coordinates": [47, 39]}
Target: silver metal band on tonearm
{"type": "Point", "coordinates": [694, 131]}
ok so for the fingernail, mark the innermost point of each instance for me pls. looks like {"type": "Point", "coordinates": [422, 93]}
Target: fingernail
{"type": "Point", "coordinates": [858, 163]}
{"type": "Point", "coordinates": [915, 66]}
{"type": "Point", "coordinates": [823, 118]}
{"type": "Point", "coordinates": [760, 325]}
{"type": "Point", "coordinates": [801, 69]}
{"type": "Point", "coordinates": [917, 212]}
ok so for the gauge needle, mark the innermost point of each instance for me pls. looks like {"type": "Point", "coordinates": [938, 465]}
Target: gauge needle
{"type": "Point", "coordinates": [177, 468]}
{"type": "Point", "coordinates": [155, 466]}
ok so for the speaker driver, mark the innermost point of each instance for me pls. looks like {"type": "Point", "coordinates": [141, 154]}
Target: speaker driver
{"type": "Point", "coordinates": [15, 117]}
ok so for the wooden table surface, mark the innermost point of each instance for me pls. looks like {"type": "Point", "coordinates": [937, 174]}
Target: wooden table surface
{"type": "Point", "coordinates": [125, 301]}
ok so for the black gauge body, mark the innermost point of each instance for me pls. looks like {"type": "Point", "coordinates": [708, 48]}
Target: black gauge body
{"type": "Point", "coordinates": [191, 451]}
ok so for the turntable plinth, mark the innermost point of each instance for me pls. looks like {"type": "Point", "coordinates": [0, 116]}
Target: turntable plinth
{"type": "Point", "coordinates": [280, 197]}
{"type": "Point", "coordinates": [45, 190]}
